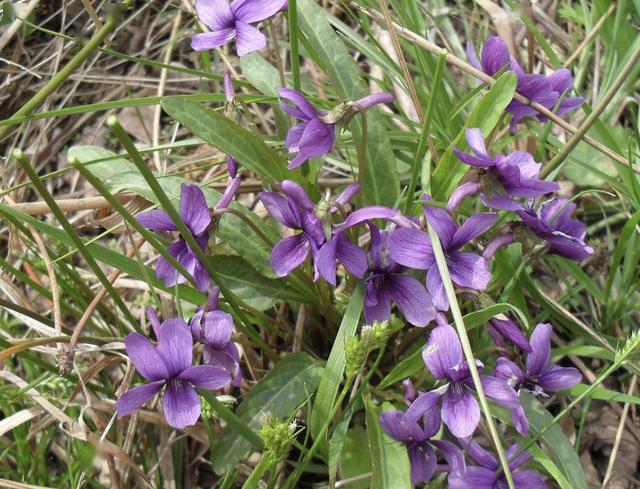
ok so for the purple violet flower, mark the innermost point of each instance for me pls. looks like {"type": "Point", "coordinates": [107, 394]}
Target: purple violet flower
{"type": "Point", "coordinates": [415, 428]}
{"type": "Point", "coordinates": [214, 327]}
{"type": "Point", "coordinates": [386, 282]}
{"type": "Point", "coordinates": [460, 411]}
{"type": "Point", "coordinates": [314, 137]}
{"type": "Point", "coordinates": [169, 365]}
{"type": "Point", "coordinates": [540, 375]}
{"type": "Point", "coordinates": [195, 214]}
{"type": "Point", "coordinates": [296, 211]}
{"type": "Point", "coordinates": [552, 223]}
{"type": "Point", "coordinates": [229, 21]}
{"type": "Point", "coordinates": [412, 248]}
{"type": "Point", "coordinates": [504, 328]}
{"type": "Point", "coordinates": [505, 177]}
{"type": "Point", "coordinates": [545, 90]}
{"type": "Point", "coordinates": [486, 475]}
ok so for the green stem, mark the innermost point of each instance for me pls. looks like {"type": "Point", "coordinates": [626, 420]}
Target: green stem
{"type": "Point", "coordinates": [58, 79]}
{"type": "Point", "coordinates": [259, 471]}
{"type": "Point", "coordinates": [157, 189]}
{"type": "Point", "coordinates": [71, 232]}
{"type": "Point", "coordinates": [293, 480]}
{"type": "Point", "coordinates": [443, 269]}
{"type": "Point", "coordinates": [293, 41]}
{"type": "Point", "coordinates": [424, 135]}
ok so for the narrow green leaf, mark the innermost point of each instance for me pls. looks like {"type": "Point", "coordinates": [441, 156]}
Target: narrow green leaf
{"type": "Point", "coordinates": [603, 394]}
{"type": "Point", "coordinates": [485, 115]}
{"type": "Point", "coordinates": [559, 447]}
{"type": "Point", "coordinates": [391, 469]}
{"type": "Point", "coordinates": [380, 182]}
{"type": "Point", "coordinates": [278, 394]}
{"type": "Point", "coordinates": [219, 131]}
{"type": "Point", "coordinates": [333, 372]}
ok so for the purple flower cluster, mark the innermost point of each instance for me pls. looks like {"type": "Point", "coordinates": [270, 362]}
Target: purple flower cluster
{"type": "Point", "coordinates": [461, 414]}
{"type": "Point", "coordinates": [393, 257]}
{"type": "Point", "coordinates": [549, 91]}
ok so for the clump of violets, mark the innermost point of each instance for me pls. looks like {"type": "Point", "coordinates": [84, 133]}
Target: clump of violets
{"type": "Point", "coordinates": [460, 410]}
{"type": "Point", "coordinates": [412, 248]}
{"type": "Point", "coordinates": [551, 223]}
{"type": "Point", "coordinates": [213, 328]}
{"type": "Point", "coordinates": [549, 91]}
{"type": "Point", "coordinates": [499, 179]}
{"type": "Point", "coordinates": [234, 20]}
{"type": "Point", "coordinates": [315, 135]}
{"type": "Point", "coordinates": [169, 366]}
{"type": "Point", "coordinates": [487, 474]}
{"type": "Point", "coordinates": [415, 428]}
{"type": "Point", "coordinates": [196, 215]}
{"type": "Point", "coordinates": [539, 376]}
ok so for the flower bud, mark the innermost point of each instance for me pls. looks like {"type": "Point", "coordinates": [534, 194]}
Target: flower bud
{"type": "Point", "coordinates": [355, 355]}
{"type": "Point", "coordinates": [277, 437]}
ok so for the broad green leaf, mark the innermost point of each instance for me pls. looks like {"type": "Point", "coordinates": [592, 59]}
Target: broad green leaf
{"type": "Point", "coordinates": [485, 115]}
{"type": "Point", "coordinates": [248, 149]}
{"type": "Point", "coordinates": [391, 469]}
{"type": "Point", "coordinates": [355, 459]}
{"type": "Point", "coordinates": [334, 370]}
{"type": "Point", "coordinates": [261, 74]}
{"type": "Point", "coordinates": [380, 179]}
{"type": "Point", "coordinates": [278, 394]}
{"type": "Point", "coordinates": [558, 446]}
{"type": "Point", "coordinates": [252, 288]}
{"type": "Point", "coordinates": [120, 174]}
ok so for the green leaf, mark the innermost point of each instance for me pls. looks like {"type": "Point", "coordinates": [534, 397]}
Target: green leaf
{"type": "Point", "coordinates": [278, 394]}
{"type": "Point", "coordinates": [252, 288]}
{"type": "Point", "coordinates": [558, 446]}
{"type": "Point", "coordinates": [248, 149]}
{"type": "Point", "coordinates": [380, 179]}
{"type": "Point", "coordinates": [603, 394]}
{"type": "Point", "coordinates": [354, 459]}
{"type": "Point", "coordinates": [332, 376]}
{"type": "Point", "coordinates": [261, 74]}
{"type": "Point", "coordinates": [120, 174]}
{"type": "Point", "coordinates": [485, 115]}
{"type": "Point", "coordinates": [391, 469]}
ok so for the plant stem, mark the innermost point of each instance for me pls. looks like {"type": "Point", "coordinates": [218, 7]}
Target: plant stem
{"type": "Point", "coordinates": [293, 41]}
